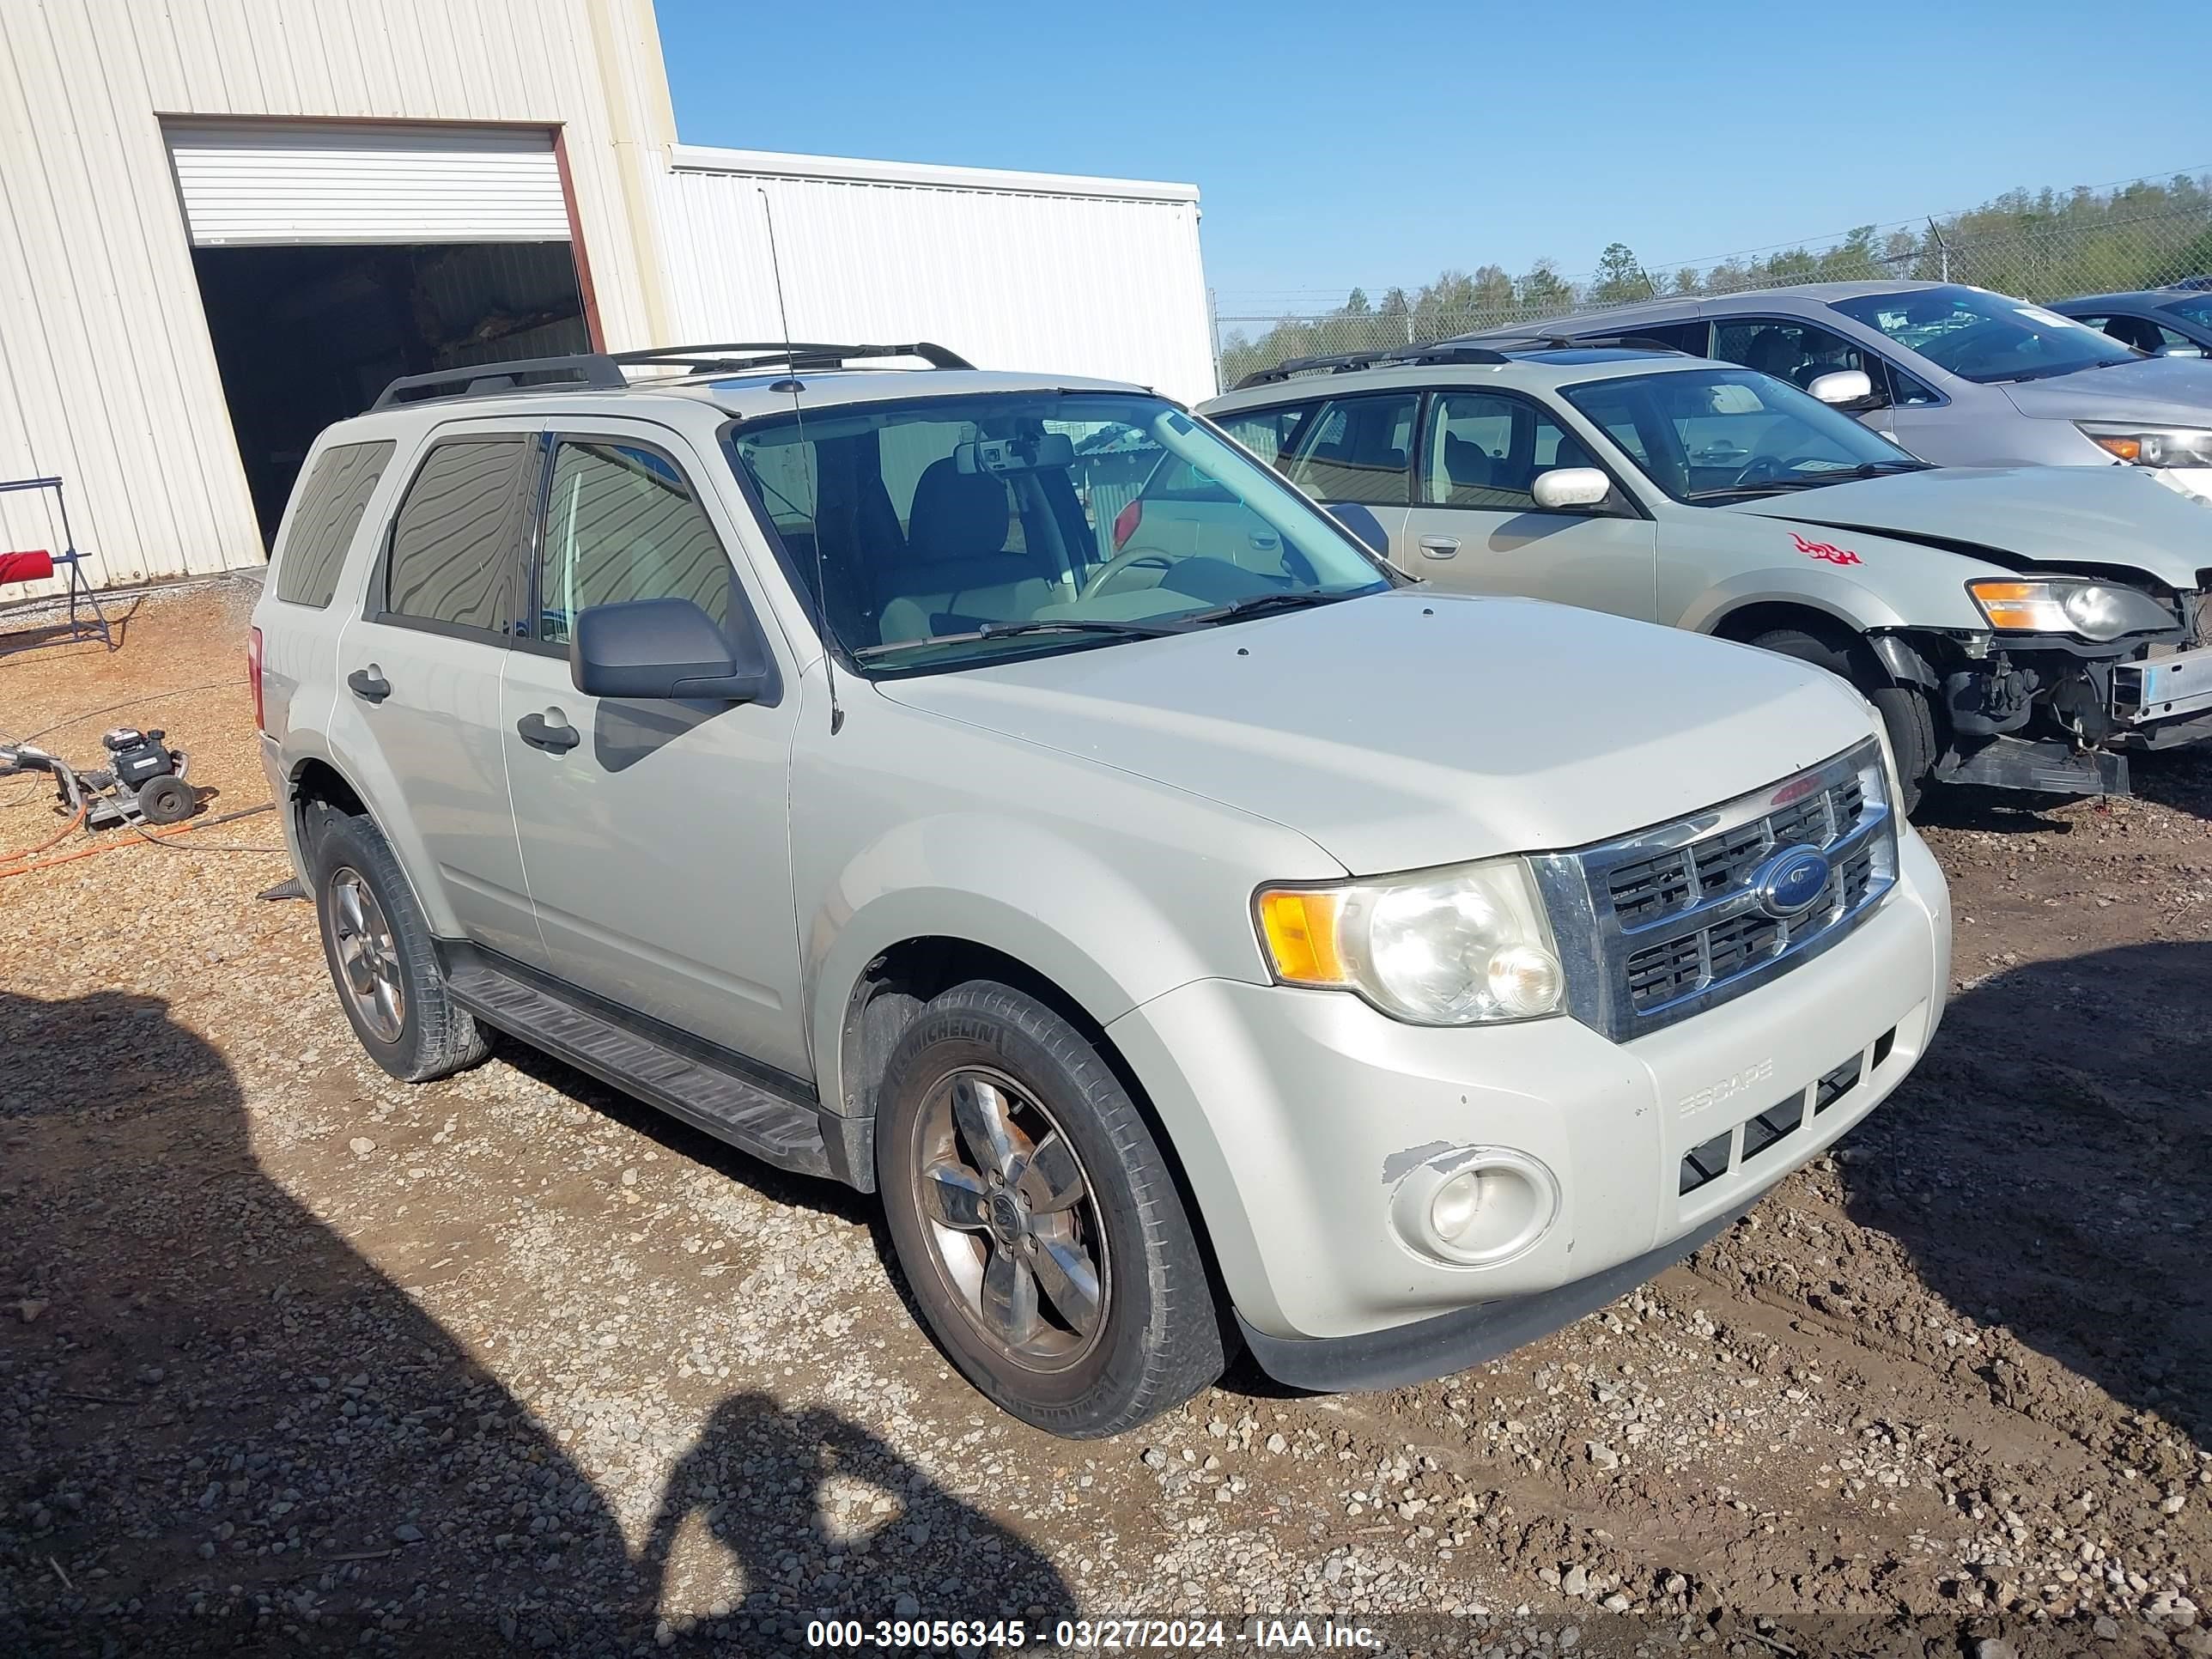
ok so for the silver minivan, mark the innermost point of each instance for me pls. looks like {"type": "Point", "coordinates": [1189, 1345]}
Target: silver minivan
{"type": "Point", "coordinates": [1961, 376]}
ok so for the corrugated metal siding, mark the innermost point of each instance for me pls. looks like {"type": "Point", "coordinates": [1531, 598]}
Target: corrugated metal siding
{"type": "Point", "coordinates": [248, 184]}
{"type": "Point", "coordinates": [107, 375]}
{"type": "Point", "coordinates": [1008, 277]}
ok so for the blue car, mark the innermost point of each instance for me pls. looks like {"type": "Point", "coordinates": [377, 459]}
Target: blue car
{"type": "Point", "coordinates": [2167, 322]}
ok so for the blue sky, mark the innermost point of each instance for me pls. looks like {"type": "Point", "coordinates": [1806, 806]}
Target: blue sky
{"type": "Point", "coordinates": [1342, 144]}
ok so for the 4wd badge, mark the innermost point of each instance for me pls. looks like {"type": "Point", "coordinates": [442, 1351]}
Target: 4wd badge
{"type": "Point", "coordinates": [1827, 551]}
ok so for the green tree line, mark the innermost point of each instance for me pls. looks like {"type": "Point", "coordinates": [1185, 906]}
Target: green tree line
{"type": "Point", "coordinates": [2037, 244]}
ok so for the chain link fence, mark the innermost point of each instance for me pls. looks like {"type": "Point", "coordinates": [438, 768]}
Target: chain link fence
{"type": "Point", "coordinates": [2069, 253]}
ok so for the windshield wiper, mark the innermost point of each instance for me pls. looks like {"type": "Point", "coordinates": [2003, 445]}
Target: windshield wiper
{"type": "Point", "coordinates": [1013, 629]}
{"type": "Point", "coordinates": [1870, 470]}
{"type": "Point", "coordinates": [2050, 372]}
{"type": "Point", "coordinates": [1815, 480]}
{"type": "Point", "coordinates": [1254, 604]}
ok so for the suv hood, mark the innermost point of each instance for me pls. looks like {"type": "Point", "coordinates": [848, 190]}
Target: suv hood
{"type": "Point", "coordinates": [2116, 517]}
{"type": "Point", "coordinates": [2156, 391]}
{"type": "Point", "coordinates": [1412, 728]}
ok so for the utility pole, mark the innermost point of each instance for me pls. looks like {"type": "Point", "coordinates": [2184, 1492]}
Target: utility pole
{"type": "Point", "coordinates": [1213, 333]}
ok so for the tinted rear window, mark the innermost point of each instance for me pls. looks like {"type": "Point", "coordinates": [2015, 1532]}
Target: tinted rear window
{"type": "Point", "coordinates": [324, 522]}
{"type": "Point", "coordinates": [458, 539]}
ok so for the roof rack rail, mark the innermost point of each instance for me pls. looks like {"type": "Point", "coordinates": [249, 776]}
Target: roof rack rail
{"type": "Point", "coordinates": [724, 359]}
{"type": "Point", "coordinates": [1567, 342]}
{"type": "Point", "coordinates": [1442, 351]}
{"type": "Point", "coordinates": [602, 371]}
{"type": "Point", "coordinates": [488, 379]}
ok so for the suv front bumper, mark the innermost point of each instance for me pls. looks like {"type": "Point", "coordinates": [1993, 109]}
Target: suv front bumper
{"type": "Point", "coordinates": [1300, 1115]}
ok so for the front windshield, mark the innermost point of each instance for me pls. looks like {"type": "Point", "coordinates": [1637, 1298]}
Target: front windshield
{"type": "Point", "coordinates": [1986, 338]}
{"type": "Point", "coordinates": [951, 532]}
{"type": "Point", "coordinates": [1715, 435]}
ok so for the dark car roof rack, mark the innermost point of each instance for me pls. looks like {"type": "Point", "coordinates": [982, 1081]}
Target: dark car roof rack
{"type": "Point", "coordinates": [1347, 363]}
{"type": "Point", "coordinates": [1572, 341]}
{"type": "Point", "coordinates": [602, 371]}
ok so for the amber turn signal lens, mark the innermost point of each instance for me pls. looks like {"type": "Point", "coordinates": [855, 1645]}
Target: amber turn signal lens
{"type": "Point", "coordinates": [1300, 926]}
{"type": "Point", "coordinates": [2023, 607]}
{"type": "Point", "coordinates": [2128, 449]}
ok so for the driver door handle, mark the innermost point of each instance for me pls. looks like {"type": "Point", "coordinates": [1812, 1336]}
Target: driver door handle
{"type": "Point", "coordinates": [1440, 547]}
{"type": "Point", "coordinates": [368, 684]}
{"type": "Point", "coordinates": [554, 739]}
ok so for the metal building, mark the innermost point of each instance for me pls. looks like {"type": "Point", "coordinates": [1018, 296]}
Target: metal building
{"type": "Point", "coordinates": [229, 222]}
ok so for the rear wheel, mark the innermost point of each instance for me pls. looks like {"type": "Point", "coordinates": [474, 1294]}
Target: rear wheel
{"type": "Point", "coordinates": [1904, 710]}
{"type": "Point", "coordinates": [1037, 1222]}
{"type": "Point", "coordinates": [381, 956]}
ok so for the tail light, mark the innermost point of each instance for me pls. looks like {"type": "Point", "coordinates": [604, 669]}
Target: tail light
{"type": "Point", "coordinates": [253, 676]}
{"type": "Point", "coordinates": [1125, 523]}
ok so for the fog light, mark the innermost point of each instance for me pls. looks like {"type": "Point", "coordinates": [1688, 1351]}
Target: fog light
{"type": "Point", "coordinates": [1453, 1210]}
{"type": "Point", "coordinates": [1475, 1206]}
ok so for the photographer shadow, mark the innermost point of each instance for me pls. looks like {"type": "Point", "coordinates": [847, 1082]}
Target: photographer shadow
{"type": "Point", "coordinates": [233, 1433]}
{"type": "Point", "coordinates": [824, 1520]}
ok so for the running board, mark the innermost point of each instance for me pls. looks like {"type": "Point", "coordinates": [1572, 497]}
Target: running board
{"type": "Point", "coordinates": [779, 1129]}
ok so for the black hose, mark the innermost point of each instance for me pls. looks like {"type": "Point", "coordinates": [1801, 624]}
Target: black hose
{"type": "Point", "coordinates": [178, 844]}
{"type": "Point", "coordinates": [130, 703]}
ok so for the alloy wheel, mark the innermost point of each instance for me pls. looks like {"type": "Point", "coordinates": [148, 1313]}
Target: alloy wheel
{"type": "Point", "coordinates": [367, 954]}
{"type": "Point", "coordinates": [1010, 1220]}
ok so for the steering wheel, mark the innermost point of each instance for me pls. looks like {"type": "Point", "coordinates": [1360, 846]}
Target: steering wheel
{"type": "Point", "coordinates": [1121, 561]}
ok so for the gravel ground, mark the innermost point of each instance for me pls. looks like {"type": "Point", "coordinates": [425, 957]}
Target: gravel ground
{"type": "Point", "coordinates": [295, 1357]}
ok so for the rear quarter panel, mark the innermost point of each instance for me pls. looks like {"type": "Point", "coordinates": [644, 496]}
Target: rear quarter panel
{"type": "Point", "coordinates": [309, 717]}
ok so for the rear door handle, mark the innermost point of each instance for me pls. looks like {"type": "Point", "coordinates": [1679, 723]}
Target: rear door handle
{"type": "Point", "coordinates": [1440, 547]}
{"type": "Point", "coordinates": [368, 684]}
{"type": "Point", "coordinates": [539, 734]}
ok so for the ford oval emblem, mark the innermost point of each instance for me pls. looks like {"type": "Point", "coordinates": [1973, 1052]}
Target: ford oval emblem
{"type": "Point", "coordinates": [1791, 882]}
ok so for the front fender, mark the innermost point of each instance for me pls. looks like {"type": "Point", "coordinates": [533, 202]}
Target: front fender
{"type": "Point", "coordinates": [1854, 604]}
{"type": "Point", "coordinates": [1044, 899]}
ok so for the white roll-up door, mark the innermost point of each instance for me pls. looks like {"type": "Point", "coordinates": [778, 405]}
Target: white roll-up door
{"type": "Point", "coordinates": [264, 182]}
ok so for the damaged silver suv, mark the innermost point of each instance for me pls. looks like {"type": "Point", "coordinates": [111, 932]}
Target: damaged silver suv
{"type": "Point", "coordinates": [2024, 628]}
{"type": "Point", "coordinates": [794, 742]}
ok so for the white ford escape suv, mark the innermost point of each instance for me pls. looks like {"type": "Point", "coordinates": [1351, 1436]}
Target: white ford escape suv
{"type": "Point", "coordinates": [1246, 946]}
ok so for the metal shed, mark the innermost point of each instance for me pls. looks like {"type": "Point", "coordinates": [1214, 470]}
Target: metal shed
{"type": "Point", "coordinates": [1012, 269]}
{"type": "Point", "coordinates": [229, 223]}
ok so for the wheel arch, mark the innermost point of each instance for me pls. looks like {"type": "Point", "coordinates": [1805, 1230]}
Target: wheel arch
{"type": "Point", "coordinates": [319, 777]}
{"type": "Point", "coordinates": [1886, 654]}
{"type": "Point", "coordinates": [889, 993]}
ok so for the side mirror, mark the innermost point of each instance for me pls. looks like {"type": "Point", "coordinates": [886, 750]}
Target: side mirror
{"type": "Point", "coordinates": [1571, 486]}
{"type": "Point", "coordinates": [1843, 386]}
{"type": "Point", "coordinates": [2181, 352]}
{"type": "Point", "coordinates": [667, 648]}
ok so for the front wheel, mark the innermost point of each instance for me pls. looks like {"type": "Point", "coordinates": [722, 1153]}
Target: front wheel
{"type": "Point", "coordinates": [1037, 1220]}
{"type": "Point", "coordinates": [1904, 710]}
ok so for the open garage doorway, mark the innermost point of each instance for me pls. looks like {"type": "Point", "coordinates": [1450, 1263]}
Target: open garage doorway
{"type": "Point", "coordinates": [307, 335]}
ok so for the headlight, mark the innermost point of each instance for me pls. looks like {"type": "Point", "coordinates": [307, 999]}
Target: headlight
{"type": "Point", "coordinates": [2151, 446]}
{"type": "Point", "coordinates": [2094, 610]}
{"type": "Point", "coordinates": [1455, 946]}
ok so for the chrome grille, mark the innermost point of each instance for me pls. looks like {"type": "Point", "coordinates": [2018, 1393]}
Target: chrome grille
{"type": "Point", "coordinates": [1672, 919]}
